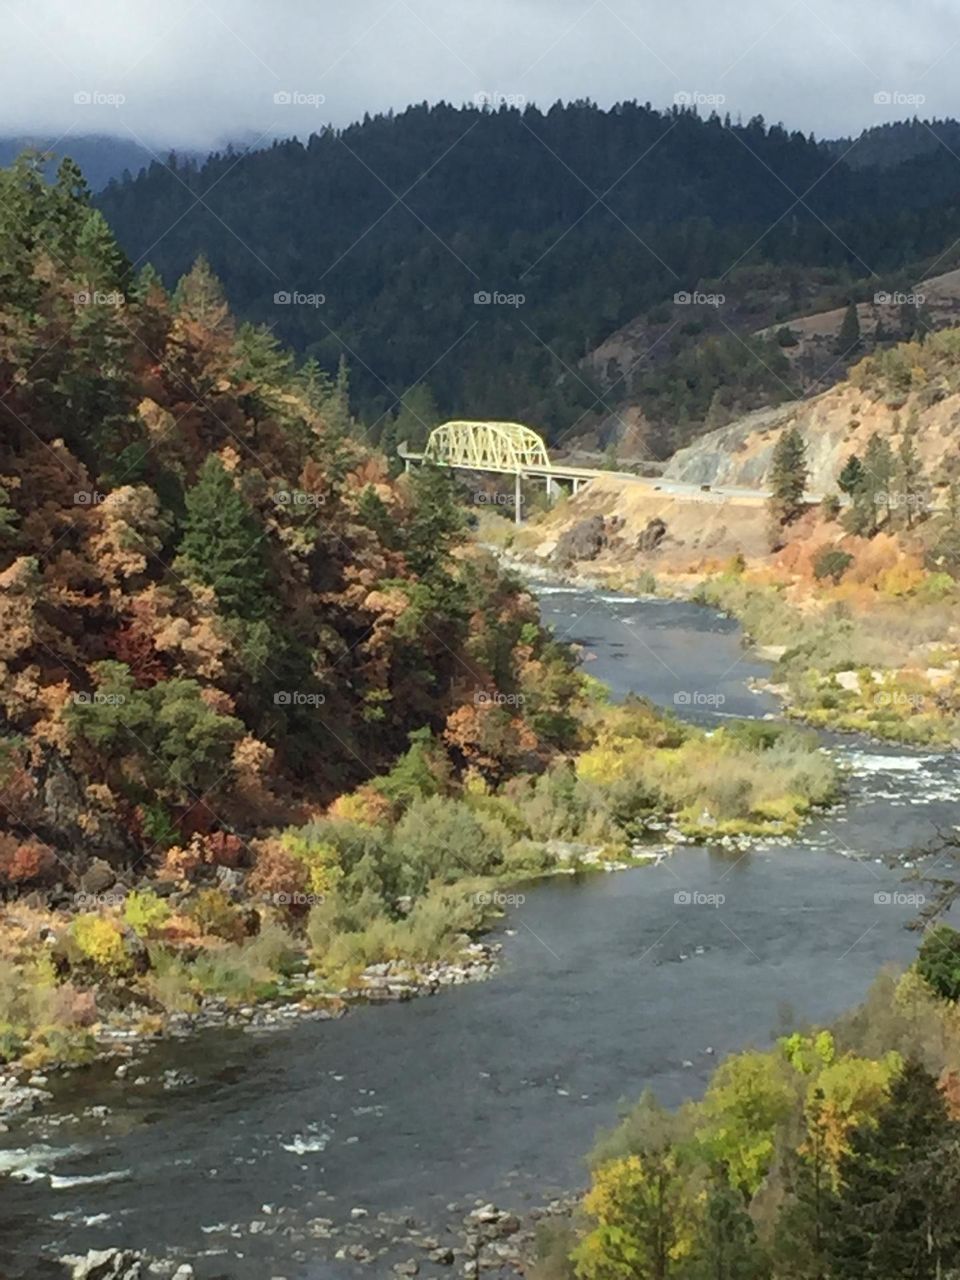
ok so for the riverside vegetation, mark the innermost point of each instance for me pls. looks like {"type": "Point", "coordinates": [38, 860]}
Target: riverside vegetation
{"type": "Point", "coordinates": [832, 1156]}
{"type": "Point", "coordinates": [267, 716]}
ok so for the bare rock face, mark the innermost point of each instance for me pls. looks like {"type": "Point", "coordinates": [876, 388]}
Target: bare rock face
{"type": "Point", "coordinates": [65, 803]}
{"type": "Point", "coordinates": [583, 541]}
{"type": "Point", "coordinates": [651, 537]}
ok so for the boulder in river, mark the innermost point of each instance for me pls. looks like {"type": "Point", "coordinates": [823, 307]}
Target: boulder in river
{"type": "Point", "coordinates": [105, 1264]}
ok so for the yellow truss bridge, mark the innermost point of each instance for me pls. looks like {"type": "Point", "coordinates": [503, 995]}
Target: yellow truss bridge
{"type": "Point", "coordinates": [505, 447]}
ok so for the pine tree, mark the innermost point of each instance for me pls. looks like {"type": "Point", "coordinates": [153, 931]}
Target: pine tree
{"type": "Point", "coordinates": [727, 1241]}
{"type": "Point", "coordinates": [893, 1219]}
{"type": "Point", "coordinates": [871, 494]}
{"type": "Point", "coordinates": [437, 521]}
{"type": "Point", "coordinates": [848, 339]}
{"type": "Point", "coordinates": [788, 479]}
{"type": "Point", "coordinates": [416, 417]}
{"type": "Point", "coordinates": [222, 544]}
{"type": "Point", "coordinates": [799, 1241]}
{"type": "Point", "coordinates": [850, 475]}
{"type": "Point", "coordinates": [910, 473]}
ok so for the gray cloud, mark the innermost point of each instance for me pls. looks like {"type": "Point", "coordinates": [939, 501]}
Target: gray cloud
{"type": "Point", "coordinates": [193, 72]}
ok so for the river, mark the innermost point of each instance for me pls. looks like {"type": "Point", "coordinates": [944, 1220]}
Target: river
{"type": "Point", "coordinates": [609, 985]}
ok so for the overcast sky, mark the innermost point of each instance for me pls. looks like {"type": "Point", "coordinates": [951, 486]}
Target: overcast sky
{"type": "Point", "coordinates": [193, 72]}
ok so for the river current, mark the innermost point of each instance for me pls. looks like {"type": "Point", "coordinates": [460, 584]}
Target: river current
{"type": "Point", "coordinates": [609, 984]}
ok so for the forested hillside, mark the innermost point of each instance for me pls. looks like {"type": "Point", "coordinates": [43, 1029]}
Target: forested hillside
{"type": "Point", "coordinates": [216, 610]}
{"type": "Point", "coordinates": [591, 216]}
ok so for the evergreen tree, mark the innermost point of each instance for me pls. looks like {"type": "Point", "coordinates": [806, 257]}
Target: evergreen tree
{"type": "Point", "coordinates": [893, 1218]}
{"type": "Point", "coordinates": [372, 512]}
{"type": "Point", "coordinates": [848, 339]}
{"type": "Point", "coordinates": [799, 1241]}
{"type": "Point", "coordinates": [945, 553]}
{"type": "Point", "coordinates": [788, 478]}
{"type": "Point", "coordinates": [222, 544]}
{"type": "Point", "coordinates": [910, 474]}
{"type": "Point", "coordinates": [416, 417]}
{"type": "Point", "coordinates": [727, 1241]}
{"type": "Point", "coordinates": [437, 522]}
{"type": "Point", "coordinates": [871, 494]}
{"type": "Point", "coordinates": [849, 477]}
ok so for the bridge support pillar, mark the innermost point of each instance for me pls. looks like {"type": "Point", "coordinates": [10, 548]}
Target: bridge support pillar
{"type": "Point", "coordinates": [576, 486]}
{"type": "Point", "coordinates": [517, 500]}
{"type": "Point", "coordinates": [550, 488]}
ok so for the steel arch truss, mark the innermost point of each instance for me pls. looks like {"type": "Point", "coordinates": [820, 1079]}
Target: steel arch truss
{"type": "Point", "coordinates": [487, 446]}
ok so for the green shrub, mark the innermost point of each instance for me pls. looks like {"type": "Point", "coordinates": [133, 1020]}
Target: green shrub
{"type": "Point", "coordinates": [100, 941]}
{"type": "Point", "coordinates": [442, 839]}
{"type": "Point", "coordinates": [938, 961]}
{"type": "Point", "coordinates": [213, 913]}
{"type": "Point", "coordinates": [831, 563]}
{"type": "Point", "coordinates": [145, 912]}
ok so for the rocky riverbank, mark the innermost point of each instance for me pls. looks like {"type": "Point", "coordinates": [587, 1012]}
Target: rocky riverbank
{"type": "Point", "coordinates": [484, 1239]}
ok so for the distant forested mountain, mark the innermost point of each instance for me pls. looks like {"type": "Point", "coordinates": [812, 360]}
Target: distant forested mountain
{"type": "Point", "coordinates": [887, 145]}
{"type": "Point", "coordinates": [406, 225]}
{"type": "Point", "coordinates": [101, 158]}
